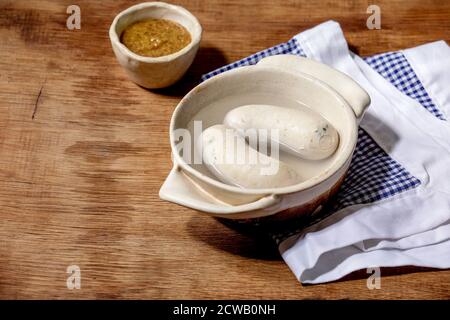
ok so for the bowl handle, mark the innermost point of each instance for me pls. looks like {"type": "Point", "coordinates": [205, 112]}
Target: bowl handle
{"type": "Point", "coordinates": [348, 88]}
{"type": "Point", "coordinates": [178, 189]}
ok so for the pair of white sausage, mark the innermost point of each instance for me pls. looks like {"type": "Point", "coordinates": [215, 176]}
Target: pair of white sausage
{"type": "Point", "coordinates": [303, 133]}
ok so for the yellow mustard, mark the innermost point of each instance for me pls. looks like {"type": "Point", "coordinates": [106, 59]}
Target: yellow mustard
{"type": "Point", "coordinates": [155, 37]}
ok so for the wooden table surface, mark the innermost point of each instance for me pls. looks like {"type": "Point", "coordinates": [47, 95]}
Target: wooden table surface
{"type": "Point", "coordinates": [84, 151]}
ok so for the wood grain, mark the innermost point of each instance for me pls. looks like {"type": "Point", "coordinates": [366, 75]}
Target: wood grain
{"type": "Point", "coordinates": [83, 153]}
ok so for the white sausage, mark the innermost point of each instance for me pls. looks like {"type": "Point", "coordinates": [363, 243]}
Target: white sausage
{"type": "Point", "coordinates": [228, 156]}
{"type": "Point", "coordinates": [304, 133]}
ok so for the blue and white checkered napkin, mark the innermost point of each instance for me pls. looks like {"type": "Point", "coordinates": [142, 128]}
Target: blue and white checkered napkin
{"type": "Point", "coordinates": [394, 200]}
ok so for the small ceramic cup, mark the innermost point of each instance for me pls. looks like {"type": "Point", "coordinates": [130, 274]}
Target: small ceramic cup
{"type": "Point", "coordinates": [162, 71]}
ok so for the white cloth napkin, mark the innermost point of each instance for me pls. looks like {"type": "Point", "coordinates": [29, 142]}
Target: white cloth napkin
{"type": "Point", "coordinates": [411, 227]}
{"type": "Point", "coordinates": [393, 209]}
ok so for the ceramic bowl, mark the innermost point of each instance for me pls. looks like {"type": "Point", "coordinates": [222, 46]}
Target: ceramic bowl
{"type": "Point", "coordinates": [282, 80]}
{"type": "Point", "coordinates": [162, 71]}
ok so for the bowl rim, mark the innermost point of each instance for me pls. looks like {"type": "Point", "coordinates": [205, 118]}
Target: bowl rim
{"type": "Point", "coordinates": [196, 34]}
{"type": "Point", "coordinates": [346, 153]}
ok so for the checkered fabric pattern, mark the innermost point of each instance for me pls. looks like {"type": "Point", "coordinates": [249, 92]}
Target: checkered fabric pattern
{"type": "Point", "coordinates": [394, 67]}
{"type": "Point", "coordinates": [373, 175]}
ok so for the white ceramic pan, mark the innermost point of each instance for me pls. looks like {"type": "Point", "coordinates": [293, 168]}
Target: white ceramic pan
{"type": "Point", "coordinates": [282, 80]}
